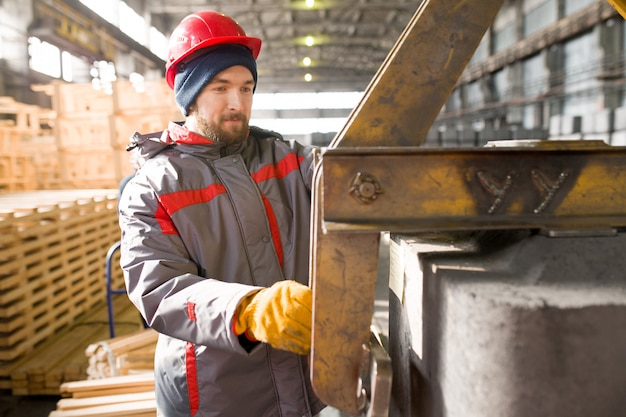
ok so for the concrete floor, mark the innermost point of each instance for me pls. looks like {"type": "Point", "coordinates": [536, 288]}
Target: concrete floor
{"type": "Point", "coordinates": [41, 406]}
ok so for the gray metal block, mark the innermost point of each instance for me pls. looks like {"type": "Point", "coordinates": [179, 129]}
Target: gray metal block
{"type": "Point", "coordinates": [508, 324]}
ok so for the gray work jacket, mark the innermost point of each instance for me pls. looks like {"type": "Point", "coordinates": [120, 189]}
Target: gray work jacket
{"type": "Point", "coordinates": [203, 224]}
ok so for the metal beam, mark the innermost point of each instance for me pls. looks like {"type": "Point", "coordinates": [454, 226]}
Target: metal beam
{"type": "Point", "coordinates": [554, 185]}
{"type": "Point", "coordinates": [416, 79]}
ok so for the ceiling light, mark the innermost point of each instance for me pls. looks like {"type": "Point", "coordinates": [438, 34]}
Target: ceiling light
{"type": "Point", "coordinates": [310, 3]}
{"type": "Point", "coordinates": [308, 77]}
{"type": "Point", "coordinates": [306, 61]}
{"type": "Point", "coordinates": [309, 40]}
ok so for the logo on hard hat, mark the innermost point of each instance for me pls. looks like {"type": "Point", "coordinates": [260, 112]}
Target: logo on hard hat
{"type": "Point", "coordinates": [180, 38]}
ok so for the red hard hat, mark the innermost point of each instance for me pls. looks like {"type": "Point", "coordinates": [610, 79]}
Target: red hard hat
{"type": "Point", "coordinates": [202, 30]}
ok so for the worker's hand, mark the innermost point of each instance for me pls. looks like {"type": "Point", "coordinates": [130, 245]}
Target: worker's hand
{"type": "Point", "coordinates": [279, 315]}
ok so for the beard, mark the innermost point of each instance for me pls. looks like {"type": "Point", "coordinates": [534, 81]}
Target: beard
{"type": "Point", "coordinates": [216, 133]}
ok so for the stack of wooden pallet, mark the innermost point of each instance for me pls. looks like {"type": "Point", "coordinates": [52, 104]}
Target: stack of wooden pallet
{"type": "Point", "coordinates": [53, 246]}
{"type": "Point", "coordinates": [129, 395]}
{"type": "Point", "coordinates": [81, 141]}
{"type": "Point", "coordinates": [20, 124]}
{"type": "Point", "coordinates": [93, 127]}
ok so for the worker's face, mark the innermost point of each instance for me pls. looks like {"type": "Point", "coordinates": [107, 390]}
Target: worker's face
{"type": "Point", "coordinates": [222, 110]}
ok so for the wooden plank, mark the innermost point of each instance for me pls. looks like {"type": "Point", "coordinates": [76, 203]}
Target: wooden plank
{"type": "Point", "coordinates": [121, 355]}
{"type": "Point", "coordinates": [113, 391]}
{"type": "Point", "coordinates": [112, 383]}
{"type": "Point", "coordinates": [34, 199]}
{"type": "Point", "coordinates": [146, 407]}
{"type": "Point", "coordinates": [74, 403]}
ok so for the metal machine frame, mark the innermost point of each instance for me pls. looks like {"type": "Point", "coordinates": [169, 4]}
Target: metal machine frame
{"type": "Point", "coordinates": [374, 177]}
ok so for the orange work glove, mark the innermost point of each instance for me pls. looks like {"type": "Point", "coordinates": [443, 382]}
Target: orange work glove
{"type": "Point", "coordinates": [279, 315]}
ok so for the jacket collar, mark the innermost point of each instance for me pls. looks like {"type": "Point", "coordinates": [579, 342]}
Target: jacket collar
{"type": "Point", "coordinates": [180, 135]}
{"type": "Point", "coordinates": [177, 134]}
{"type": "Point", "coordinates": [149, 145]}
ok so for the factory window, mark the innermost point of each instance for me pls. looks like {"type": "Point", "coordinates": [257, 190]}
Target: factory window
{"type": "Point", "coordinates": [138, 82]}
{"type": "Point", "coordinates": [502, 90]}
{"type": "Point", "coordinates": [44, 57]}
{"type": "Point", "coordinates": [475, 96]}
{"type": "Point", "coordinates": [503, 28]}
{"type": "Point", "coordinates": [158, 43]}
{"type": "Point", "coordinates": [535, 76]}
{"type": "Point", "coordinates": [504, 38]}
{"type": "Point", "coordinates": [132, 24]}
{"type": "Point", "coordinates": [540, 17]}
{"type": "Point", "coordinates": [482, 51]}
{"type": "Point", "coordinates": [535, 84]}
{"type": "Point", "coordinates": [572, 6]}
{"type": "Point", "coordinates": [50, 60]}
{"type": "Point", "coordinates": [66, 66]}
{"type": "Point", "coordinates": [453, 103]}
{"type": "Point", "coordinates": [581, 67]}
{"type": "Point", "coordinates": [103, 75]}
{"type": "Point", "coordinates": [105, 9]}
{"type": "Point", "coordinates": [74, 68]}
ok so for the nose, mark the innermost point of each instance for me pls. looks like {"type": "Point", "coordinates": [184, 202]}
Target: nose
{"type": "Point", "coordinates": [235, 100]}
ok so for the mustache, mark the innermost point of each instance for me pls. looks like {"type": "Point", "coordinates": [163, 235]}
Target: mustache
{"type": "Point", "coordinates": [234, 117]}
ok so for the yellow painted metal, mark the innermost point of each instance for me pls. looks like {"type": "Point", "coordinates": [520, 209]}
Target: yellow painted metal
{"type": "Point", "coordinates": [548, 187]}
{"type": "Point", "coordinates": [419, 74]}
{"type": "Point", "coordinates": [620, 6]}
{"type": "Point", "coordinates": [343, 271]}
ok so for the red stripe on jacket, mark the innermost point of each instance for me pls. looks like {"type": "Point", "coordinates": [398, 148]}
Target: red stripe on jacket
{"type": "Point", "coordinates": [190, 366]}
{"type": "Point", "coordinates": [271, 217]}
{"type": "Point", "coordinates": [171, 203]}
{"type": "Point", "coordinates": [279, 170]}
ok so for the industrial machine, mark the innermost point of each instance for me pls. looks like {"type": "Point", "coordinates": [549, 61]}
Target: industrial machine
{"type": "Point", "coordinates": [506, 270]}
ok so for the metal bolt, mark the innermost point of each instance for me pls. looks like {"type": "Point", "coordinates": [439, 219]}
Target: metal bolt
{"type": "Point", "coordinates": [365, 188]}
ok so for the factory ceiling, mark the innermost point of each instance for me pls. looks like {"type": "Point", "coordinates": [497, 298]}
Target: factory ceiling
{"type": "Point", "coordinates": [350, 38]}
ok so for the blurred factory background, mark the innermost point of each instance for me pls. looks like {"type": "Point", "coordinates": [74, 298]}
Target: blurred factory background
{"type": "Point", "coordinates": [546, 69]}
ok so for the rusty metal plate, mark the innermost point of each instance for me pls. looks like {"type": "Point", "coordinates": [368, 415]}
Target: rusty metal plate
{"type": "Point", "coordinates": [343, 291]}
{"type": "Point", "coordinates": [412, 189]}
{"type": "Point", "coordinates": [419, 74]}
{"type": "Point", "coordinates": [343, 274]}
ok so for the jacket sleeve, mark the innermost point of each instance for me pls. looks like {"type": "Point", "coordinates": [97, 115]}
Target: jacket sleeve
{"type": "Point", "coordinates": [309, 156]}
{"type": "Point", "coordinates": [163, 282]}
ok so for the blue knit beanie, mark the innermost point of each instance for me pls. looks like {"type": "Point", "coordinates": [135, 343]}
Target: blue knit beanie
{"type": "Point", "coordinates": [194, 75]}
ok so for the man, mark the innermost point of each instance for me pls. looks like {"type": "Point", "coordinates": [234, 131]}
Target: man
{"type": "Point", "coordinates": [215, 239]}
